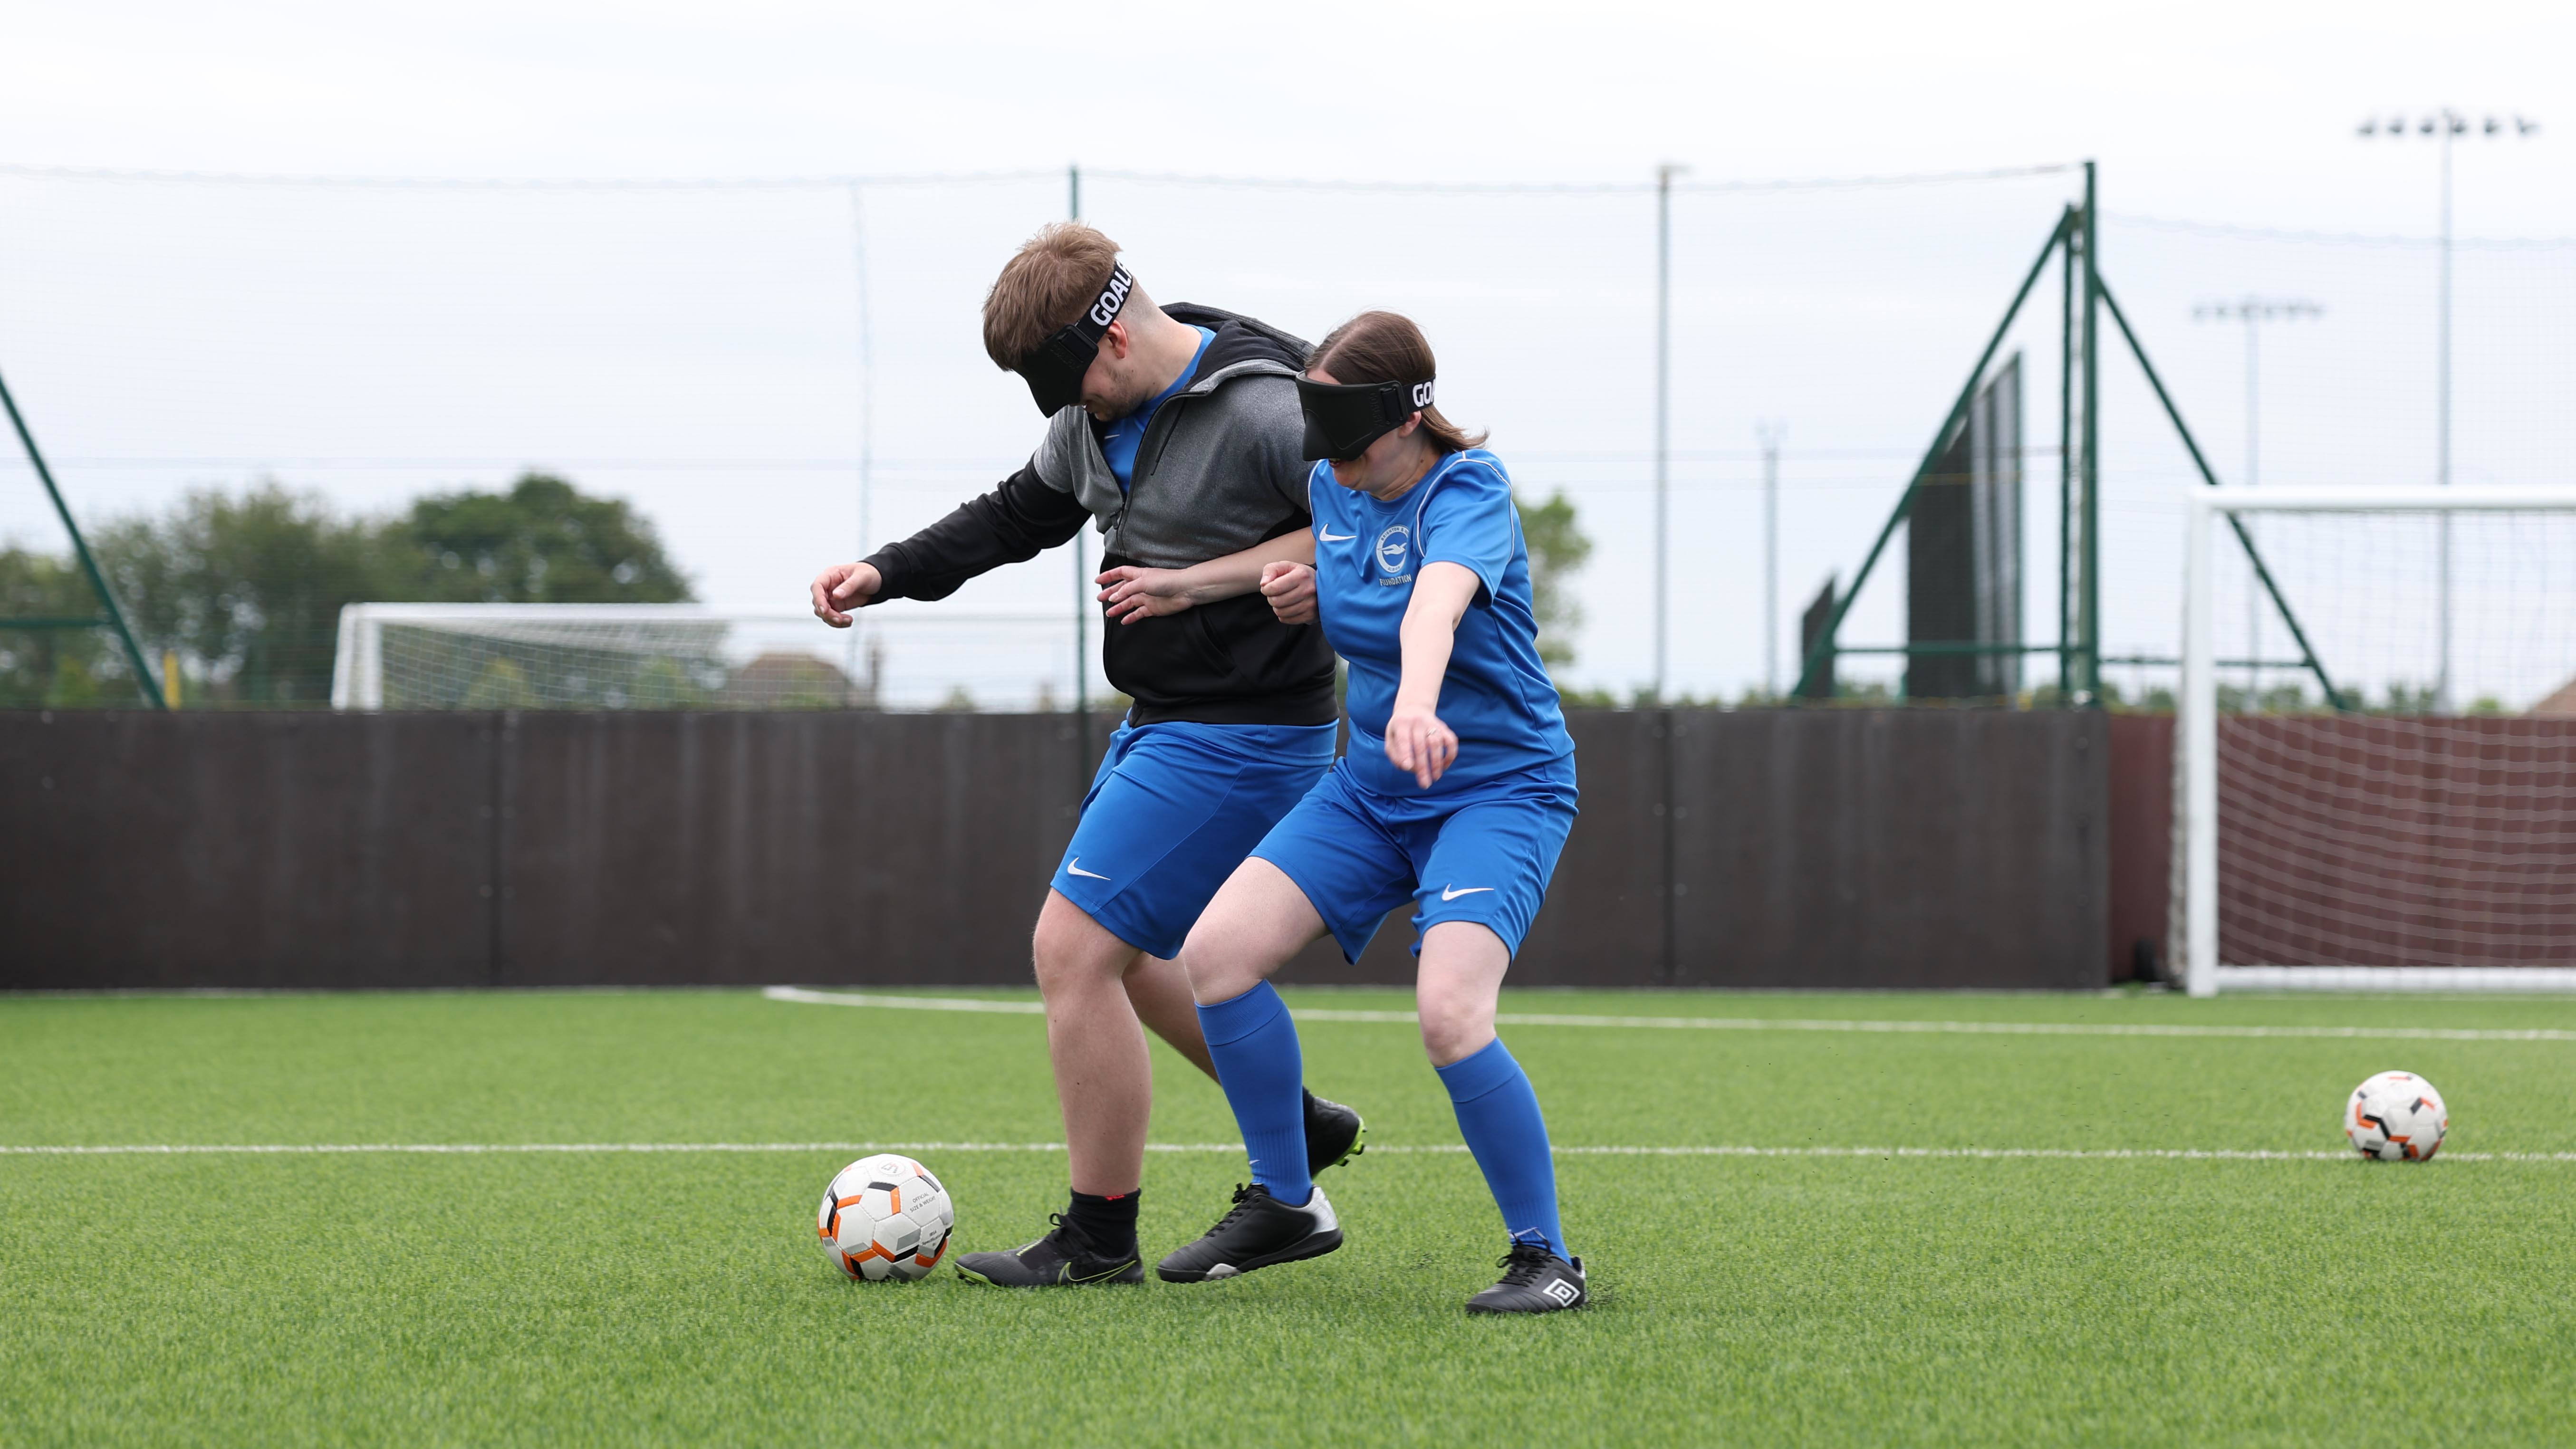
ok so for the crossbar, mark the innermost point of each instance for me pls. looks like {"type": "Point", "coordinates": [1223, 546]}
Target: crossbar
{"type": "Point", "coordinates": [2376, 498]}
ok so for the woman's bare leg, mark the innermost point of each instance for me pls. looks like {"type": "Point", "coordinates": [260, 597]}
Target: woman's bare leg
{"type": "Point", "coordinates": [1258, 920]}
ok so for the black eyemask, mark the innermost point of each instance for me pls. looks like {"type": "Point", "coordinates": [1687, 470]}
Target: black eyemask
{"type": "Point", "coordinates": [1343, 419]}
{"type": "Point", "coordinates": [1054, 369]}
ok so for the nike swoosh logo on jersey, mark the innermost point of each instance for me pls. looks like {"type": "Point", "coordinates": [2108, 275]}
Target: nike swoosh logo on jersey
{"type": "Point", "coordinates": [1451, 893]}
{"type": "Point", "coordinates": [1074, 867]}
{"type": "Point", "coordinates": [1323, 536]}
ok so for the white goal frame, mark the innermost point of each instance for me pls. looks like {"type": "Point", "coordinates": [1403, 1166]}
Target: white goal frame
{"type": "Point", "coordinates": [358, 656]}
{"type": "Point", "coordinates": [358, 667]}
{"type": "Point", "coordinates": [2197, 752]}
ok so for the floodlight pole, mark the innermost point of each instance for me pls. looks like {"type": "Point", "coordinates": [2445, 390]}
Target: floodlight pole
{"type": "Point", "coordinates": [2447, 124]}
{"type": "Point", "coordinates": [1663, 420]}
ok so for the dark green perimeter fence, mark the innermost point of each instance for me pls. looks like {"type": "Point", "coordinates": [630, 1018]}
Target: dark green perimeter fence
{"type": "Point", "coordinates": [1774, 848]}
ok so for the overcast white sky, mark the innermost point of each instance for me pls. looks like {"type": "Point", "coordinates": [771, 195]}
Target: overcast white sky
{"type": "Point", "coordinates": [2238, 113]}
{"type": "Point", "coordinates": [2237, 110]}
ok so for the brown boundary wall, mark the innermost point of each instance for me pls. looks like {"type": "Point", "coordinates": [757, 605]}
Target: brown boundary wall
{"type": "Point", "coordinates": [2141, 804]}
{"type": "Point", "coordinates": [1803, 848]}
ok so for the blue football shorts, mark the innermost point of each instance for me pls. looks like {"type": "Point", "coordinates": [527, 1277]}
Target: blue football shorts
{"type": "Point", "coordinates": [1172, 811]}
{"type": "Point", "coordinates": [1483, 855]}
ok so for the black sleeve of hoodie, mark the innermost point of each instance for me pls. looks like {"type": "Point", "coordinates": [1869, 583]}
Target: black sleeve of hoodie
{"type": "Point", "coordinates": [1020, 518]}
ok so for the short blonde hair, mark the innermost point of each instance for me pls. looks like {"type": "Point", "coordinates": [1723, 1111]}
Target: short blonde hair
{"type": "Point", "coordinates": [1055, 275]}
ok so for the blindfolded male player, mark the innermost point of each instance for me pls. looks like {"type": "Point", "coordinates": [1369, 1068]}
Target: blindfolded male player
{"type": "Point", "coordinates": [1177, 429]}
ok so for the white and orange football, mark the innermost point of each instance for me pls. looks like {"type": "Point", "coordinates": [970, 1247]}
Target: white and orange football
{"type": "Point", "coordinates": [885, 1217]}
{"type": "Point", "coordinates": [2396, 1117]}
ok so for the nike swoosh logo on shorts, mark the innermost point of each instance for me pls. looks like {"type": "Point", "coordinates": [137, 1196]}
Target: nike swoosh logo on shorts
{"type": "Point", "coordinates": [1451, 893]}
{"type": "Point", "coordinates": [1323, 536]}
{"type": "Point", "coordinates": [1074, 867]}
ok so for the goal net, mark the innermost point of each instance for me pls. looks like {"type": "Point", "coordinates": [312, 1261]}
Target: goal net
{"type": "Point", "coordinates": [2376, 771]}
{"type": "Point", "coordinates": [669, 656]}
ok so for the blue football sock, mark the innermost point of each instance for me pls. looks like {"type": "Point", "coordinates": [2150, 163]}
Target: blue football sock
{"type": "Point", "coordinates": [1254, 1044]}
{"type": "Point", "coordinates": [1498, 1115]}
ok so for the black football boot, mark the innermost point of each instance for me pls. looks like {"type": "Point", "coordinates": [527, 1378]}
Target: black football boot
{"type": "Point", "coordinates": [1062, 1259]}
{"type": "Point", "coordinates": [1257, 1231]}
{"type": "Point", "coordinates": [1334, 1134]}
{"type": "Point", "coordinates": [1534, 1281]}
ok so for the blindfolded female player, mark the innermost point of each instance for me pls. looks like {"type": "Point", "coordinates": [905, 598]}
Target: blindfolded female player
{"type": "Point", "coordinates": [1456, 793]}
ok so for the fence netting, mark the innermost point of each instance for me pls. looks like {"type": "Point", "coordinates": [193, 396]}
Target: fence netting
{"type": "Point", "coordinates": [781, 374]}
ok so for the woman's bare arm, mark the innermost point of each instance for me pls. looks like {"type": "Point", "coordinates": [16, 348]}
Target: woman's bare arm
{"type": "Point", "coordinates": [1134, 593]}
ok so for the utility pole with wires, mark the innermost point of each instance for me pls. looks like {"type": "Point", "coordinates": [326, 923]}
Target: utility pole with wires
{"type": "Point", "coordinates": [2447, 124]}
{"type": "Point", "coordinates": [2254, 312]}
{"type": "Point", "coordinates": [867, 442]}
{"type": "Point", "coordinates": [1664, 175]}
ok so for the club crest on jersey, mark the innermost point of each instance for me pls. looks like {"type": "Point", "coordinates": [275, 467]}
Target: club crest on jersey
{"type": "Point", "coordinates": [1394, 551]}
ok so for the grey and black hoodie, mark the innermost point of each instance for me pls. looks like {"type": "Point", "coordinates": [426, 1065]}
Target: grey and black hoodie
{"type": "Point", "coordinates": [1219, 470]}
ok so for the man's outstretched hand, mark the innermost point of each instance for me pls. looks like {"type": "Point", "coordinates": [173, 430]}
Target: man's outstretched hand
{"type": "Point", "coordinates": [843, 589]}
{"type": "Point", "coordinates": [1290, 588]}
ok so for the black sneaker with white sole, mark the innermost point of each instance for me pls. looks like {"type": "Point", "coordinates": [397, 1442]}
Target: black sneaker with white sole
{"type": "Point", "coordinates": [1534, 1281]}
{"type": "Point", "coordinates": [1257, 1231]}
{"type": "Point", "coordinates": [1334, 1134]}
{"type": "Point", "coordinates": [1062, 1259]}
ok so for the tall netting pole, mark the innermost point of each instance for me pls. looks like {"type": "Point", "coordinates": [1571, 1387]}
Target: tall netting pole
{"type": "Point", "coordinates": [2089, 603]}
{"type": "Point", "coordinates": [2065, 463]}
{"type": "Point", "coordinates": [115, 619]}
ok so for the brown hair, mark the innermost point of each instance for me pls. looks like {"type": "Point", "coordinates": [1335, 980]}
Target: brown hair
{"type": "Point", "coordinates": [1387, 347]}
{"type": "Point", "coordinates": [1054, 276]}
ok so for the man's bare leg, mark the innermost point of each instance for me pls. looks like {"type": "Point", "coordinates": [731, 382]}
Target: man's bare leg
{"type": "Point", "coordinates": [1160, 992]}
{"type": "Point", "coordinates": [1103, 1076]}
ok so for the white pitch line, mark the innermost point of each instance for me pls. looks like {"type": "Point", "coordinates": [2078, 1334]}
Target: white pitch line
{"type": "Point", "coordinates": [443, 1149]}
{"type": "Point", "coordinates": [1753, 1023]}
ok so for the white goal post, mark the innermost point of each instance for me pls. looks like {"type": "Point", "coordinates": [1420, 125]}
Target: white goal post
{"type": "Point", "coordinates": [897, 656]}
{"type": "Point", "coordinates": [2485, 818]}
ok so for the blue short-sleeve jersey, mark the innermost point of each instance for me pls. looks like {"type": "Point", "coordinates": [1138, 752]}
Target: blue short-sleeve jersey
{"type": "Point", "coordinates": [1120, 440]}
{"type": "Point", "coordinates": [1497, 695]}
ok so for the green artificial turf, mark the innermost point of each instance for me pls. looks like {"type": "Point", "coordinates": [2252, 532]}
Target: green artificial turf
{"type": "Point", "coordinates": [627, 1297]}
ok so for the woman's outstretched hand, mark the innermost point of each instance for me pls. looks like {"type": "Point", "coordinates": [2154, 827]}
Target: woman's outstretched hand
{"type": "Point", "coordinates": [1416, 740]}
{"type": "Point", "coordinates": [1290, 588]}
{"type": "Point", "coordinates": [1134, 593]}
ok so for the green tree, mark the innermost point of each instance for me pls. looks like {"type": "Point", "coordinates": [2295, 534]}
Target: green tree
{"type": "Point", "coordinates": [1557, 550]}
{"type": "Point", "coordinates": [40, 667]}
{"type": "Point", "coordinates": [247, 589]}
{"type": "Point", "coordinates": [543, 542]}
